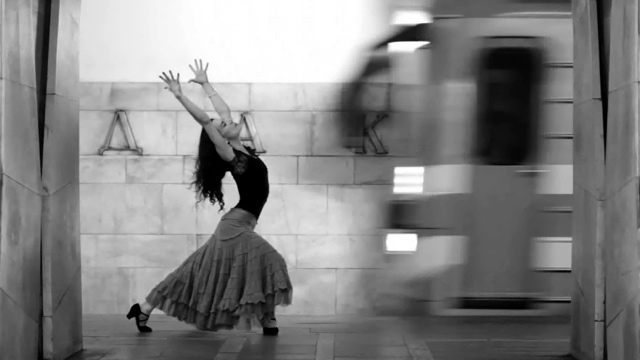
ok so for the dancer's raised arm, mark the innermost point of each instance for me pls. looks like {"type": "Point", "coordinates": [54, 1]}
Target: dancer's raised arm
{"type": "Point", "coordinates": [222, 146]}
{"type": "Point", "coordinates": [218, 103]}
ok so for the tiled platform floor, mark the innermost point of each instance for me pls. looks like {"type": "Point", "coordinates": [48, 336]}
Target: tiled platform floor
{"type": "Point", "coordinates": [333, 338]}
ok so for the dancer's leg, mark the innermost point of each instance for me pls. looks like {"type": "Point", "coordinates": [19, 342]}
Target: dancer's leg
{"type": "Point", "coordinates": [146, 309]}
{"type": "Point", "coordinates": [269, 320]}
{"type": "Point", "coordinates": [270, 325]}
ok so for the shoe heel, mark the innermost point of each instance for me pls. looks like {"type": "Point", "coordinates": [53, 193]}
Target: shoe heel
{"type": "Point", "coordinates": [133, 312]}
{"type": "Point", "coordinates": [270, 331]}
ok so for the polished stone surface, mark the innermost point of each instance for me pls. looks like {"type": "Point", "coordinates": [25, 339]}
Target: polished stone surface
{"type": "Point", "coordinates": [282, 169]}
{"type": "Point", "coordinates": [20, 251]}
{"type": "Point", "coordinates": [622, 138]}
{"type": "Point", "coordinates": [622, 255]}
{"type": "Point", "coordinates": [283, 212]}
{"type": "Point", "coordinates": [25, 262]}
{"type": "Point", "coordinates": [339, 252]}
{"type": "Point", "coordinates": [136, 251]}
{"type": "Point", "coordinates": [179, 213]}
{"type": "Point", "coordinates": [154, 169]}
{"type": "Point", "coordinates": [66, 322]}
{"type": "Point", "coordinates": [589, 185]}
{"type": "Point", "coordinates": [623, 40]}
{"type": "Point", "coordinates": [137, 208]}
{"type": "Point", "coordinates": [63, 77]}
{"type": "Point", "coordinates": [20, 148]}
{"type": "Point", "coordinates": [586, 291]}
{"type": "Point", "coordinates": [103, 169]}
{"type": "Point", "coordinates": [295, 97]}
{"type": "Point", "coordinates": [286, 133]}
{"type": "Point", "coordinates": [333, 338]}
{"type": "Point", "coordinates": [316, 292]}
{"type": "Point", "coordinates": [23, 325]}
{"type": "Point", "coordinates": [61, 144]}
{"type": "Point", "coordinates": [326, 170]}
{"type": "Point", "coordinates": [588, 148]}
{"type": "Point", "coordinates": [18, 43]}
{"type": "Point", "coordinates": [585, 49]}
{"type": "Point", "coordinates": [324, 135]}
{"type": "Point", "coordinates": [356, 209]}
{"type": "Point", "coordinates": [60, 246]}
{"type": "Point", "coordinates": [155, 131]}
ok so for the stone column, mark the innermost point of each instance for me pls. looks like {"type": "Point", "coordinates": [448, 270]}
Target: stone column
{"type": "Point", "coordinates": [39, 236]}
{"type": "Point", "coordinates": [621, 197]}
{"type": "Point", "coordinates": [20, 188]}
{"type": "Point", "coordinates": [61, 275]}
{"type": "Point", "coordinates": [587, 338]}
{"type": "Point", "coordinates": [606, 255]}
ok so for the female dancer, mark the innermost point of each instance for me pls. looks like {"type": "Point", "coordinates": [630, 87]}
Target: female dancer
{"type": "Point", "coordinates": [237, 276]}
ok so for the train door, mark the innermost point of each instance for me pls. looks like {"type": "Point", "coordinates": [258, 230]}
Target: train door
{"type": "Point", "coordinates": [497, 273]}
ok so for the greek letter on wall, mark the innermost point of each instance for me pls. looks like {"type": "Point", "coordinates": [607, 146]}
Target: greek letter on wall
{"type": "Point", "coordinates": [120, 118]}
{"type": "Point", "coordinates": [369, 132]}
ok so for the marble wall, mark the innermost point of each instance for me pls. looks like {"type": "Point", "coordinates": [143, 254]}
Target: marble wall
{"type": "Point", "coordinates": [61, 275]}
{"type": "Point", "coordinates": [606, 265]}
{"type": "Point", "coordinates": [138, 215]}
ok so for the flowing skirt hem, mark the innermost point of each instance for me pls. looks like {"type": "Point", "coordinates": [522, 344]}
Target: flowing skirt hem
{"type": "Point", "coordinates": [248, 313]}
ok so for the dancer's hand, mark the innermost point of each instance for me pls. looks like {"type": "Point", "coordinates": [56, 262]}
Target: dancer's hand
{"type": "Point", "coordinates": [173, 84]}
{"type": "Point", "coordinates": [200, 73]}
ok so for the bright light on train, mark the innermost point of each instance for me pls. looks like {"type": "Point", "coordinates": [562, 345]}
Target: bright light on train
{"type": "Point", "coordinates": [411, 17]}
{"type": "Point", "coordinates": [408, 180]}
{"type": "Point", "coordinates": [401, 243]}
{"type": "Point", "coordinates": [408, 18]}
{"type": "Point", "coordinates": [405, 46]}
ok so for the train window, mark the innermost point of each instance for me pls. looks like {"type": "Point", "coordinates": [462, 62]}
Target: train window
{"type": "Point", "coordinates": [508, 82]}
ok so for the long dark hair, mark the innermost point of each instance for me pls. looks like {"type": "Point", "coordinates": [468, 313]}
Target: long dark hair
{"type": "Point", "coordinates": [209, 171]}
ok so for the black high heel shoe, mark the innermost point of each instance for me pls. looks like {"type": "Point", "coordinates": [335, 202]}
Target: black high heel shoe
{"type": "Point", "coordinates": [135, 312]}
{"type": "Point", "coordinates": [271, 330]}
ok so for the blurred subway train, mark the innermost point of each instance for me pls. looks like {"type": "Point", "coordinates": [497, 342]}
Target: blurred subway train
{"type": "Point", "coordinates": [482, 223]}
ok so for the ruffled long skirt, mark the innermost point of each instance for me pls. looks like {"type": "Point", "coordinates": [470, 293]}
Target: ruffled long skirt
{"type": "Point", "coordinates": [235, 280]}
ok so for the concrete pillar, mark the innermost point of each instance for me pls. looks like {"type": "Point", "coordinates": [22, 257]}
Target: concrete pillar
{"type": "Point", "coordinates": [61, 275]}
{"type": "Point", "coordinates": [39, 239]}
{"type": "Point", "coordinates": [20, 189]}
{"type": "Point", "coordinates": [606, 255]}
{"type": "Point", "coordinates": [587, 340]}
{"type": "Point", "coordinates": [621, 196]}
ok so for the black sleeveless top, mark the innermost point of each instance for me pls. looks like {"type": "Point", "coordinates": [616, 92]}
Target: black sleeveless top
{"type": "Point", "coordinates": [252, 177]}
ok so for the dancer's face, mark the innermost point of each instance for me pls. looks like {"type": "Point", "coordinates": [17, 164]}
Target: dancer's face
{"type": "Point", "coordinates": [228, 129]}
